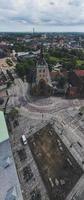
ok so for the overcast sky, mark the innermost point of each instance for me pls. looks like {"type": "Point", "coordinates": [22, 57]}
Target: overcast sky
{"type": "Point", "coordinates": [43, 15]}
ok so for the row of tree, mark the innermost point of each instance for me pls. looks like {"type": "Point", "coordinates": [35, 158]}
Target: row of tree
{"type": "Point", "coordinates": [68, 58]}
{"type": "Point", "coordinates": [67, 53]}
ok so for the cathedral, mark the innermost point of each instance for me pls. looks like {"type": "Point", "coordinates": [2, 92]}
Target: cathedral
{"type": "Point", "coordinates": [42, 85]}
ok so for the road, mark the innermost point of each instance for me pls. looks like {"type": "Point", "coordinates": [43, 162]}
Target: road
{"type": "Point", "coordinates": [62, 112]}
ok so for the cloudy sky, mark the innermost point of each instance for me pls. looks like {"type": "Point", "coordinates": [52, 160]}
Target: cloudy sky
{"type": "Point", "coordinates": [43, 15]}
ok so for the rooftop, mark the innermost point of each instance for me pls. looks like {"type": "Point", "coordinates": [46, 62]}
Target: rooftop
{"type": "Point", "coordinates": [3, 129]}
{"type": "Point", "coordinates": [9, 183]}
{"type": "Point", "coordinates": [79, 73]}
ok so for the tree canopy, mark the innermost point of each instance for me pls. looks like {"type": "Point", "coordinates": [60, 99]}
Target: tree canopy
{"type": "Point", "coordinates": [26, 68]}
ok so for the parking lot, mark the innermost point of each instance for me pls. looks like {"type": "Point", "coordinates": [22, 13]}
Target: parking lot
{"type": "Point", "coordinates": [59, 170]}
{"type": "Point", "coordinates": [31, 183]}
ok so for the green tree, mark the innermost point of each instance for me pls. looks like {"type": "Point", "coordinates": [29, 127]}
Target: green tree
{"type": "Point", "coordinates": [14, 113]}
{"type": "Point", "coordinates": [62, 80]}
{"type": "Point", "coordinates": [26, 68]}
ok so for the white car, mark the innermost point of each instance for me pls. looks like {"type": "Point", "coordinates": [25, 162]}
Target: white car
{"type": "Point", "coordinates": [24, 140]}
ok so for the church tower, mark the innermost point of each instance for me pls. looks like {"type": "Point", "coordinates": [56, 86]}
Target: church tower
{"type": "Point", "coordinates": [43, 80]}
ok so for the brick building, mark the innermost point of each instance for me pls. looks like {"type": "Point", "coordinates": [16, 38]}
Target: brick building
{"type": "Point", "coordinates": [76, 81]}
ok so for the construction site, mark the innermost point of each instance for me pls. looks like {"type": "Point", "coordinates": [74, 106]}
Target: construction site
{"type": "Point", "coordinates": [57, 167]}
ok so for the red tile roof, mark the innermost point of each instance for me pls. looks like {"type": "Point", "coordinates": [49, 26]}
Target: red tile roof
{"type": "Point", "coordinates": [53, 74]}
{"type": "Point", "coordinates": [79, 72]}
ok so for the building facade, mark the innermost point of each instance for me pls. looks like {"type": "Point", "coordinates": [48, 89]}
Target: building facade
{"type": "Point", "coordinates": [9, 182]}
{"type": "Point", "coordinates": [42, 85]}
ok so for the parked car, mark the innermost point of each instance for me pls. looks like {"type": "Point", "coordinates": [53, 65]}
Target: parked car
{"type": "Point", "coordinates": [24, 140]}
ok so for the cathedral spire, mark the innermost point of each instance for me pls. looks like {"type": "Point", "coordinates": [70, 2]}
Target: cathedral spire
{"type": "Point", "coordinates": [41, 60]}
{"type": "Point", "coordinates": [41, 51]}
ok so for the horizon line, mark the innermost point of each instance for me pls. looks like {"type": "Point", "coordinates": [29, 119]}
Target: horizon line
{"type": "Point", "coordinates": [41, 32]}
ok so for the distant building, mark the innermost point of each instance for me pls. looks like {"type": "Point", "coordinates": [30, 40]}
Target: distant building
{"type": "Point", "coordinates": [2, 53]}
{"type": "Point", "coordinates": [9, 183]}
{"type": "Point", "coordinates": [42, 85]}
{"type": "Point", "coordinates": [55, 74]}
{"type": "Point", "coordinates": [76, 81]}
